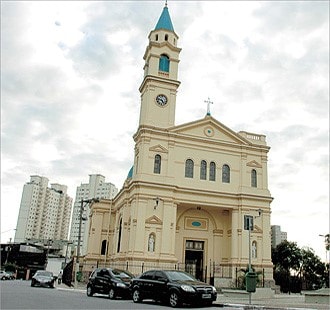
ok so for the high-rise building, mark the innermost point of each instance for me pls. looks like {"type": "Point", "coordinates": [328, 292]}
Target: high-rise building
{"type": "Point", "coordinates": [277, 235]}
{"type": "Point", "coordinates": [44, 212]}
{"type": "Point", "coordinates": [95, 188]}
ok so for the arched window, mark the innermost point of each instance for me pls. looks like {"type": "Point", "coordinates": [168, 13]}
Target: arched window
{"type": "Point", "coordinates": [151, 243]}
{"type": "Point", "coordinates": [254, 249]}
{"type": "Point", "coordinates": [254, 178]}
{"type": "Point", "coordinates": [212, 171]}
{"type": "Point", "coordinates": [225, 174]}
{"type": "Point", "coordinates": [104, 247]}
{"type": "Point", "coordinates": [189, 169]}
{"type": "Point", "coordinates": [164, 63]}
{"type": "Point", "coordinates": [156, 37]}
{"type": "Point", "coordinates": [119, 235]}
{"type": "Point", "coordinates": [203, 170]}
{"type": "Point", "coordinates": [166, 37]}
{"type": "Point", "coordinates": [157, 164]}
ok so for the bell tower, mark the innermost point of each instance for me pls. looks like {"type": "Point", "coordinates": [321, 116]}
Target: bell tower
{"type": "Point", "coordinates": [159, 86]}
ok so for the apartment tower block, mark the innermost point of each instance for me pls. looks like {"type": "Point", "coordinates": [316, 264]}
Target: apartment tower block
{"type": "Point", "coordinates": [95, 188]}
{"type": "Point", "coordinates": [44, 212]}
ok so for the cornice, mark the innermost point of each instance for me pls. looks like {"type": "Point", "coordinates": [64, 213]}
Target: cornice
{"type": "Point", "coordinates": [149, 78]}
{"type": "Point", "coordinates": [186, 139]}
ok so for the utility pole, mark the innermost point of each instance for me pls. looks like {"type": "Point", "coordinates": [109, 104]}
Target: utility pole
{"type": "Point", "coordinates": [82, 207]}
{"type": "Point", "coordinates": [66, 252]}
{"type": "Point", "coordinates": [47, 253]}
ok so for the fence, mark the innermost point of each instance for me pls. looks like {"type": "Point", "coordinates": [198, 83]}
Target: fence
{"type": "Point", "coordinates": [215, 274]}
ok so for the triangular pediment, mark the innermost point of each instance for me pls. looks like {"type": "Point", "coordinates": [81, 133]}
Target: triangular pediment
{"type": "Point", "coordinates": [158, 149]}
{"type": "Point", "coordinates": [254, 164]}
{"type": "Point", "coordinates": [209, 128]}
{"type": "Point", "coordinates": [153, 220]}
{"type": "Point", "coordinates": [257, 229]}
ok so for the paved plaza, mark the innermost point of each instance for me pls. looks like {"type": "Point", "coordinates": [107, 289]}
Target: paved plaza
{"type": "Point", "coordinates": [279, 301]}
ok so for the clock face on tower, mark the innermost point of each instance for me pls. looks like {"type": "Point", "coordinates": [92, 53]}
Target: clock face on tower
{"type": "Point", "coordinates": [161, 100]}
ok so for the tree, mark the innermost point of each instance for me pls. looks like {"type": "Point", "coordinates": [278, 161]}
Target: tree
{"type": "Point", "coordinates": [296, 268]}
{"type": "Point", "coordinates": [287, 261]}
{"type": "Point", "coordinates": [287, 256]}
{"type": "Point", "coordinates": [312, 270]}
{"type": "Point", "coordinates": [10, 267]}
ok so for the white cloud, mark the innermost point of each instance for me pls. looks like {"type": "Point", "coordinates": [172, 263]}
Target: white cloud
{"type": "Point", "coordinates": [71, 70]}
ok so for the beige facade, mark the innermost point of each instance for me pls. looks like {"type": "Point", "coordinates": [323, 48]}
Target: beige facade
{"type": "Point", "coordinates": [185, 198]}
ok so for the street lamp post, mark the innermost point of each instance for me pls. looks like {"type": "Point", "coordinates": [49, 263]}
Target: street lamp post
{"type": "Point", "coordinates": [248, 225]}
{"type": "Point", "coordinates": [326, 241]}
{"type": "Point", "coordinates": [250, 266]}
{"type": "Point", "coordinates": [82, 206]}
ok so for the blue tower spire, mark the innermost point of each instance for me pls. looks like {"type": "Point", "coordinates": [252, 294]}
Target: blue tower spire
{"type": "Point", "coordinates": [164, 21]}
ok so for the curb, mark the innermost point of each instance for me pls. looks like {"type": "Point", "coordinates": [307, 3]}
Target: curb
{"type": "Point", "coordinates": [64, 287]}
{"type": "Point", "coordinates": [256, 307]}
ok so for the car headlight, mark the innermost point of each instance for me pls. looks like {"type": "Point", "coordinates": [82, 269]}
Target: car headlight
{"type": "Point", "coordinates": [188, 288]}
{"type": "Point", "coordinates": [214, 289]}
{"type": "Point", "coordinates": [120, 284]}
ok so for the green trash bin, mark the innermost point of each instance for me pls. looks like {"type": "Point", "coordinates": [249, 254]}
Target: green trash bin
{"type": "Point", "coordinates": [79, 276]}
{"type": "Point", "coordinates": [251, 281]}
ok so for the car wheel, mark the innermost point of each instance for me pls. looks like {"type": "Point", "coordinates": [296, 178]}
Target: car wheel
{"type": "Point", "coordinates": [32, 284]}
{"type": "Point", "coordinates": [174, 299]}
{"type": "Point", "coordinates": [112, 293]}
{"type": "Point", "coordinates": [89, 291]}
{"type": "Point", "coordinates": [137, 296]}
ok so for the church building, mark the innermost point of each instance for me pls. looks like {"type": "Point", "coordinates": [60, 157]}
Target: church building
{"type": "Point", "coordinates": [192, 190]}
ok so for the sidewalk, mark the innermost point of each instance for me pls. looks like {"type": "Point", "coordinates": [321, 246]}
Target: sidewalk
{"type": "Point", "coordinates": [280, 301]}
{"type": "Point", "coordinates": [80, 287]}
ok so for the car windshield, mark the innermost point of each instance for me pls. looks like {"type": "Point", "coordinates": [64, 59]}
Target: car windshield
{"type": "Point", "coordinates": [179, 276]}
{"type": "Point", "coordinates": [121, 273]}
{"type": "Point", "coordinates": [44, 273]}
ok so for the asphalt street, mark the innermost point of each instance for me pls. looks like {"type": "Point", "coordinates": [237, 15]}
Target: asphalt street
{"type": "Point", "coordinates": [19, 294]}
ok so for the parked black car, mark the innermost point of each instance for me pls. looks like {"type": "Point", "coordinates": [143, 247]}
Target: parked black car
{"type": "Point", "coordinates": [43, 278]}
{"type": "Point", "coordinates": [173, 287]}
{"type": "Point", "coordinates": [113, 282]}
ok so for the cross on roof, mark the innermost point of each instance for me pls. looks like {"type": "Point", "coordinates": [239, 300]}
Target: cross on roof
{"type": "Point", "coordinates": [209, 102]}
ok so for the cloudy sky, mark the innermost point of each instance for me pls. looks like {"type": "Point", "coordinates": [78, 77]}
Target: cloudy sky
{"type": "Point", "coordinates": [70, 73]}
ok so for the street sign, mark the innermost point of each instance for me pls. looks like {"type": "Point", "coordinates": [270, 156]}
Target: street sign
{"type": "Point", "coordinates": [248, 222]}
